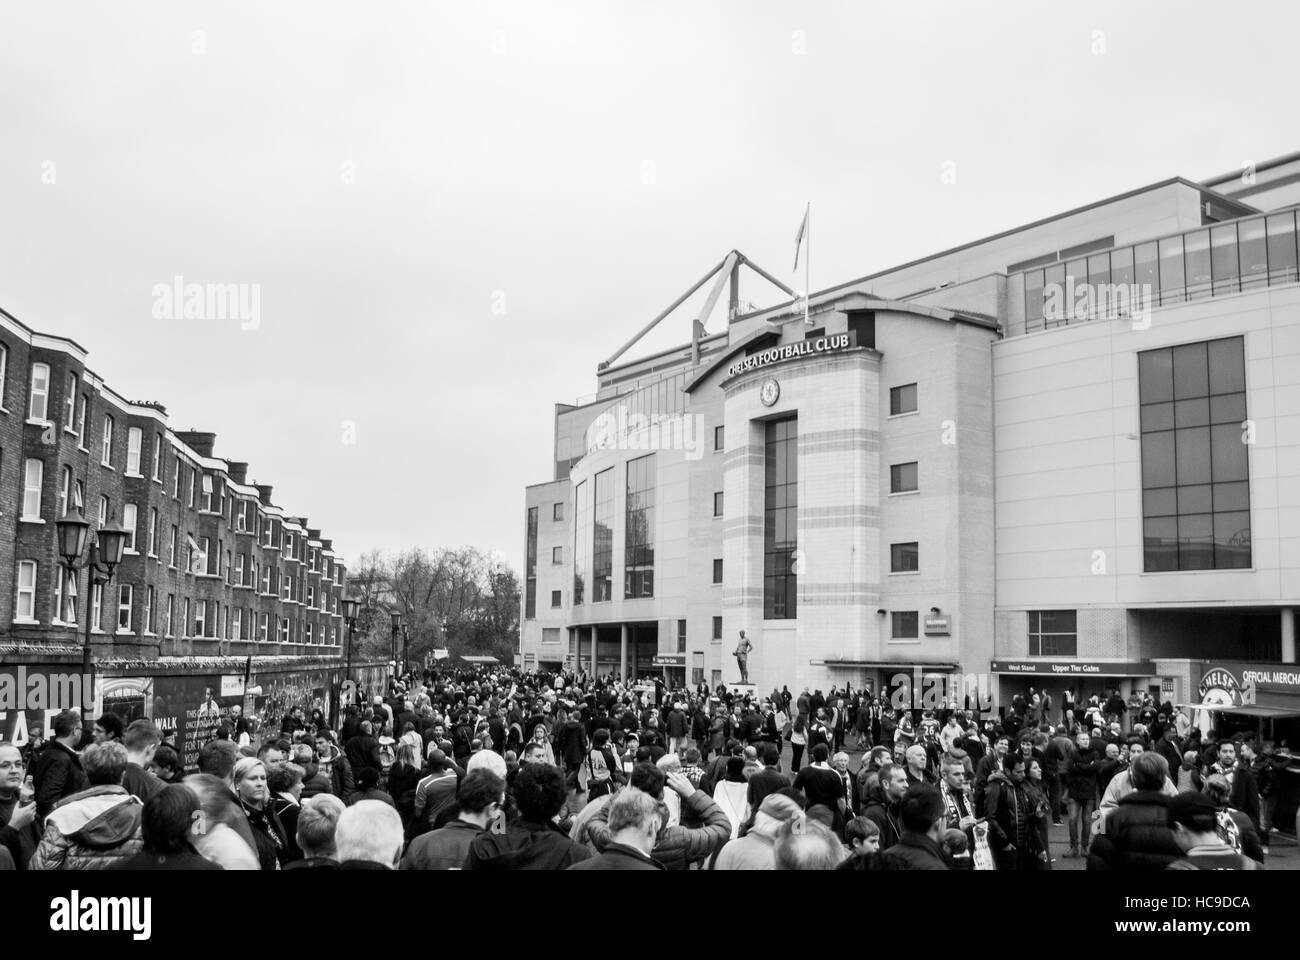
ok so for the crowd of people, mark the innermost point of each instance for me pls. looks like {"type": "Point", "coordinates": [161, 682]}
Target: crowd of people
{"type": "Point", "coordinates": [504, 769]}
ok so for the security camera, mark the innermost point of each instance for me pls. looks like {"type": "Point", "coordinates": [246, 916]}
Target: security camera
{"type": "Point", "coordinates": [935, 611]}
{"type": "Point", "coordinates": [881, 613]}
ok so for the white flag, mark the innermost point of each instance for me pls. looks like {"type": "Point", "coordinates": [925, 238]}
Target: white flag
{"type": "Point", "coordinates": [798, 237]}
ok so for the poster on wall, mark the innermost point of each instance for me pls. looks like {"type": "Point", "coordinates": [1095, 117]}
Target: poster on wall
{"type": "Point", "coordinates": [31, 697]}
{"type": "Point", "coordinates": [189, 710]}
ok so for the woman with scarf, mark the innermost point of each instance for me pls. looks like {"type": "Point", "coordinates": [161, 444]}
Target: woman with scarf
{"type": "Point", "coordinates": [250, 783]}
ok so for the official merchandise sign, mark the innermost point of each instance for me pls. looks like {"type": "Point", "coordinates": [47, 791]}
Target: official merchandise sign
{"type": "Point", "coordinates": [791, 351]}
{"type": "Point", "coordinates": [938, 626]}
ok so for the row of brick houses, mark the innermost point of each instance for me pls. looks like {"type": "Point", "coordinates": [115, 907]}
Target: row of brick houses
{"type": "Point", "coordinates": [213, 567]}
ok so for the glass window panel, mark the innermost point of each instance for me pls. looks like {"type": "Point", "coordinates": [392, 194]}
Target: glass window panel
{"type": "Point", "coordinates": [1193, 465]}
{"type": "Point", "coordinates": [1161, 543]}
{"type": "Point", "coordinates": [1121, 265]}
{"type": "Point", "coordinates": [1098, 269]}
{"type": "Point", "coordinates": [1191, 376]}
{"type": "Point", "coordinates": [1196, 256]}
{"type": "Point", "coordinates": [1054, 276]}
{"type": "Point", "coordinates": [1171, 270]}
{"type": "Point", "coordinates": [1227, 365]}
{"type": "Point", "coordinates": [1229, 454]}
{"type": "Point", "coordinates": [1223, 258]}
{"type": "Point", "coordinates": [1146, 268]}
{"type": "Point", "coordinates": [1158, 460]}
{"type": "Point", "coordinates": [1162, 502]}
{"type": "Point", "coordinates": [1196, 542]}
{"type": "Point", "coordinates": [1058, 621]}
{"type": "Point", "coordinates": [1253, 253]}
{"type": "Point", "coordinates": [1232, 540]}
{"type": "Point", "coordinates": [1156, 376]}
{"type": "Point", "coordinates": [1192, 413]}
{"type": "Point", "coordinates": [1281, 248]}
{"type": "Point", "coordinates": [1033, 297]}
{"type": "Point", "coordinates": [1229, 408]}
{"type": "Point", "coordinates": [1157, 416]}
{"type": "Point", "coordinates": [1231, 496]}
{"type": "Point", "coordinates": [1194, 499]}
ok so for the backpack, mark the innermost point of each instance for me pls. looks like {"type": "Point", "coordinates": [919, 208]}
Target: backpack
{"type": "Point", "coordinates": [600, 772]}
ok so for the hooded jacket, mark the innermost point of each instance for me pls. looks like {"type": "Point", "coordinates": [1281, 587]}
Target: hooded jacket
{"type": "Point", "coordinates": [91, 830]}
{"type": "Point", "coordinates": [1135, 835]}
{"type": "Point", "coordinates": [884, 814]}
{"type": "Point", "coordinates": [526, 845]}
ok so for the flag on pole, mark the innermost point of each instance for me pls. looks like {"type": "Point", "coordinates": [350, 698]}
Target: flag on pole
{"type": "Point", "coordinates": [798, 237]}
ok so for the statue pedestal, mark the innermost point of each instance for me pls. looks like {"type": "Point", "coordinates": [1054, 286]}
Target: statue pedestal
{"type": "Point", "coordinates": [742, 689]}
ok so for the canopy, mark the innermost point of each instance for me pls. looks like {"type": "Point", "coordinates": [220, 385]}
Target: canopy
{"type": "Point", "coordinates": [480, 659]}
{"type": "Point", "coordinates": [1247, 710]}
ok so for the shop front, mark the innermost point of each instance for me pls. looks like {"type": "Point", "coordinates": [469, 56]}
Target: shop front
{"type": "Point", "coordinates": [1083, 679]}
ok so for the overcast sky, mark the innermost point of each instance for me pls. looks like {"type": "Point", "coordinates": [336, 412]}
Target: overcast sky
{"type": "Point", "coordinates": [453, 212]}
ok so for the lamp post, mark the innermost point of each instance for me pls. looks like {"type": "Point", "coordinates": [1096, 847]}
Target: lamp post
{"type": "Point", "coordinates": [105, 554]}
{"type": "Point", "coordinates": [406, 644]}
{"type": "Point", "coordinates": [350, 609]}
{"type": "Point", "coordinates": [397, 625]}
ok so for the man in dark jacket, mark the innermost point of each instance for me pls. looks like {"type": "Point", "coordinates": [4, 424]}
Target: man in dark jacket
{"type": "Point", "coordinates": [633, 824]}
{"type": "Point", "coordinates": [1136, 834]}
{"type": "Point", "coordinates": [58, 774]}
{"type": "Point", "coordinates": [1169, 747]}
{"type": "Point", "coordinates": [1081, 790]}
{"type": "Point", "coordinates": [1013, 838]}
{"type": "Point", "coordinates": [884, 801]}
{"type": "Point", "coordinates": [480, 797]}
{"type": "Point", "coordinates": [989, 765]}
{"type": "Point", "coordinates": [918, 847]}
{"type": "Point", "coordinates": [362, 751]}
{"type": "Point", "coordinates": [533, 841]}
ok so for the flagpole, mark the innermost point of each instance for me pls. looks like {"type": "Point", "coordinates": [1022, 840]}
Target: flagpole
{"type": "Point", "coordinates": [807, 268]}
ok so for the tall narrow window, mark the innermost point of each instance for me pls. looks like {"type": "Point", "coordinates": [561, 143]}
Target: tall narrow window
{"type": "Point", "coordinates": [153, 531]}
{"type": "Point", "coordinates": [38, 407]}
{"type": "Point", "coordinates": [1195, 468]}
{"type": "Point", "coordinates": [25, 608]}
{"type": "Point", "coordinates": [129, 521]}
{"type": "Point", "coordinates": [97, 607]}
{"type": "Point", "coordinates": [148, 610]}
{"type": "Point", "coordinates": [124, 608]}
{"type": "Point", "coordinates": [530, 568]}
{"type": "Point", "coordinates": [70, 402]}
{"type": "Point", "coordinates": [82, 407]}
{"type": "Point", "coordinates": [171, 604]}
{"type": "Point", "coordinates": [602, 544]}
{"type": "Point", "coordinates": [780, 518]}
{"type": "Point", "coordinates": [65, 489]}
{"type": "Point", "coordinates": [134, 439]}
{"type": "Point", "coordinates": [639, 529]}
{"type": "Point", "coordinates": [33, 476]}
{"type": "Point", "coordinates": [581, 540]}
{"type": "Point", "coordinates": [157, 456]}
{"type": "Point", "coordinates": [106, 457]}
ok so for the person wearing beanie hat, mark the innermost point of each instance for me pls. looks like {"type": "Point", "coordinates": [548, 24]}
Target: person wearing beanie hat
{"type": "Point", "coordinates": [756, 849]}
{"type": "Point", "coordinates": [1194, 820]}
{"type": "Point", "coordinates": [923, 819]}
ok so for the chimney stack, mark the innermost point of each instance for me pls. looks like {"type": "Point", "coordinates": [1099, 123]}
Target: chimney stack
{"type": "Point", "coordinates": [201, 443]}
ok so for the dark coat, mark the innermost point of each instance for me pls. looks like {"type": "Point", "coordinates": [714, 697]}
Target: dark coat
{"type": "Point", "coordinates": [1135, 835]}
{"type": "Point", "coordinates": [914, 851]}
{"type": "Point", "coordinates": [57, 775]}
{"type": "Point", "coordinates": [1079, 775]}
{"type": "Point", "coordinates": [525, 846]}
{"type": "Point", "coordinates": [885, 815]}
{"type": "Point", "coordinates": [617, 856]}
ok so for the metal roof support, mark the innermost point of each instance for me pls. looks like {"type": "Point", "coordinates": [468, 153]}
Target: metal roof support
{"type": "Point", "coordinates": [653, 323]}
{"type": "Point", "coordinates": [697, 329]}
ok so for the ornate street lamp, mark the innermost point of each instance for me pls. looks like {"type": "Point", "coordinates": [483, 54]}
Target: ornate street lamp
{"type": "Point", "coordinates": [351, 609]}
{"type": "Point", "coordinates": [397, 625]}
{"type": "Point", "coordinates": [72, 531]}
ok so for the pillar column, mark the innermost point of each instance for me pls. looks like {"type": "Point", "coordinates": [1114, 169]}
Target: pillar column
{"type": "Point", "coordinates": [595, 639]}
{"type": "Point", "coordinates": [622, 652]}
{"type": "Point", "coordinates": [1288, 635]}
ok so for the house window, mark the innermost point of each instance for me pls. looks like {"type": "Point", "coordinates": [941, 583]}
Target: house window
{"type": "Point", "coordinates": [70, 402]}
{"type": "Point", "coordinates": [717, 569]}
{"type": "Point", "coordinates": [157, 456]}
{"type": "Point", "coordinates": [153, 531]}
{"type": "Point", "coordinates": [905, 624]}
{"type": "Point", "coordinates": [81, 420]}
{"type": "Point", "coordinates": [262, 629]}
{"type": "Point", "coordinates": [239, 569]}
{"type": "Point", "coordinates": [124, 593]}
{"type": "Point", "coordinates": [717, 629]}
{"type": "Point", "coordinates": [719, 438]}
{"type": "Point", "coordinates": [284, 629]}
{"type": "Point", "coordinates": [555, 598]}
{"type": "Point", "coordinates": [65, 489]}
{"type": "Point", "coordinates": [309, 632]}
{"type": "Point", "coordinates": [33, 475]}
{"type": "Point", "coordinates": [176, 478]}
{"type": "Point", "coordinates": [717, 504]}
{"type": "Point", "coordinates": [103, 512]}
{"type": "Point", "coordinates": [38, 407]}
{"type": "Point", "coordinates": [205, 503]}
{"type": "Point", "coordinates": [65, 603]}
{"type": "Point", "coordinates": [106, 457]}
{"type": "Point", "coordinates": [237, 623]}
{"type": "Point", "coordinates": [4, 370]}
{"type": "Point", "coordinates": [902, 399]}
{"type": "Point", "coordinates": [171, 604]}
{"type": "Point", "coordinates": [97, 607]}
{"type": "Point", "coordinates": [129, 517]}
{"type": "Point", "coordinates": [171, 550]}
{"type": "Point", "coordinates": [1053, 633]}
{"type": "Point", "coordinates": [311, 596]}
{"type": "Point", "coordinates": [557, 555]}
{"type": "Point", "coordinates": [148, 610]}
{"type": "Point", "coordinates": [902, 477]}
{"type": "Point", "coordinates": [194, 476]}
{"type": "Point", "coordinates": [134, 440]}
{"type": "Point", "coordinates": [266, 579]}
{"type": "Point", "coordinates": [904, 558]}
{"type": "Point", "coordinates": [25, 609]}
{"type": "Point", "coordinates": [185, 617]}
{"type": "Point", "coordinates": [200, 618]}
{"type": "Point", "coordinates": [557, 511]}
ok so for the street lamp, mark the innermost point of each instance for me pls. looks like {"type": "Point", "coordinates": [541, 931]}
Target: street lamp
{"type": "Point", "coordinates": [72, 531]}
{"type": "Point", "coordinates": [351, 607]}
{"type": "Point", "coordinates": [397, 625]}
